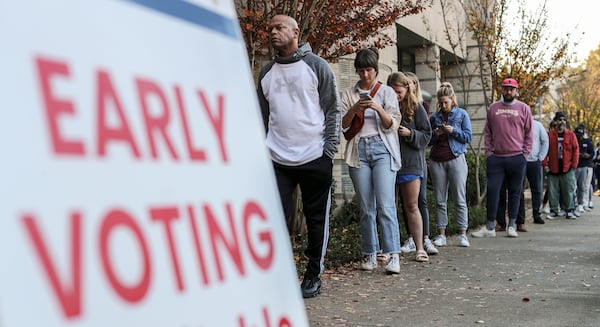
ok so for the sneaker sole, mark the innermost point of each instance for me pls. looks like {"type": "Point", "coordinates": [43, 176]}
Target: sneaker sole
{"type": "Point", "coordinates": [310, 296]}
{"type": "Point", "coordinates": [483, 236]}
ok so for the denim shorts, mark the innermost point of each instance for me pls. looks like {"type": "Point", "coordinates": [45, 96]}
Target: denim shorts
{"type": "Point", "coordinates": [405, 178]}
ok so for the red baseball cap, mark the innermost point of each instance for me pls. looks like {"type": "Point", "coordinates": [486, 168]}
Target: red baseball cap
{"type": "Point", "coordinates": [510, 82]}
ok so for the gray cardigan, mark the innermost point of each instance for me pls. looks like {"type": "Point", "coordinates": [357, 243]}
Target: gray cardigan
{"type": "Point", "coordinates": [412, 148]}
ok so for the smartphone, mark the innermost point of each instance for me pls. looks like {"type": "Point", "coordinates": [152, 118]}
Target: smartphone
{"type": "Point", "coordinates": [365, 96]}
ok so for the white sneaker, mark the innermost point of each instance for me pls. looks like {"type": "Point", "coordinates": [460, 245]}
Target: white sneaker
{"type": "Point", "coordinates": [484, 232]}
{"type": "Point", "coordinates": [409, 246]}
{"type": "Point", "coordinates": [553, 215]}
{"type": "Point", "coordinates": [546, 209]}
{"type": "Point", "coordinates": [578, 212]}
{"type": "Point", "coordinates": [562, 213]}
{"type": "Point", "coordinates": [370, 262]}
{"type": "Point", "coordinates": [591, 204]}
{"type": "Point", "coordinates": [440, 240]}
{"type": "Point", "coordinates": [463, 241]}
{"type": "Point", "coordinates": [429, 247]}
{"type": "Point", "coordinates": [511, 232]}
{"type": "Point", "coordinates": [393, 266]}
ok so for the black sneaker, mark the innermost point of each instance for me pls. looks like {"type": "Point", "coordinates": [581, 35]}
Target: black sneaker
{"type": "Point", "coordinates": [311, 287]}
{"type": "Point", "coordinates": [538, 221]}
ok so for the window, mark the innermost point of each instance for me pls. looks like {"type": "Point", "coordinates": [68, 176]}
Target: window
{"type": "Point", "coordinates": [406, 61]}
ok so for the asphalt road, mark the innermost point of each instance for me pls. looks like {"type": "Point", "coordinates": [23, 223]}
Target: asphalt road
{"type": "Point", "coordinates": [548, 276]}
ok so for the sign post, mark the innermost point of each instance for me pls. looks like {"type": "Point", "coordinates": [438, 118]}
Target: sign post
{"type": "Point", "coordinates": [136, 188]}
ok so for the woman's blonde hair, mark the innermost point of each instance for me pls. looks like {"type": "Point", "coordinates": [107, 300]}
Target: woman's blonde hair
{"type": "Point", "coordinates": [447, 90]}
{"type": "Point", "coordinates": [415, 79]}
{"type": "Point", "coordinates": [409, 104]}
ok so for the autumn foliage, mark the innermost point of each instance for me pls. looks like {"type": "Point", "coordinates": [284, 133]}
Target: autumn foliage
{"type": "Point", "coordinates": [334, 28]}
{"type": "Point", "coordinates": [517, 44]}
{"type": "Point", "coordinates": [579, 95]}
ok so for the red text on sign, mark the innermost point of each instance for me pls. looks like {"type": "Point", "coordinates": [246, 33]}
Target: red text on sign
{"type": "Point", "coordinates": [267, 321]}
{"type": "Point", "coordinates": [155, 124]}
{"type": "Point", "coordinates": [228, 237]}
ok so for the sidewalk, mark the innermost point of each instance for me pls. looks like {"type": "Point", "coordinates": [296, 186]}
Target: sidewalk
{"type": "Point", "coordinates": [549, 276]}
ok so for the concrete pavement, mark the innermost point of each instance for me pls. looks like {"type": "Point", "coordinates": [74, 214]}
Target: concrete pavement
{"type": "Point", "coordinates": [549, 276]}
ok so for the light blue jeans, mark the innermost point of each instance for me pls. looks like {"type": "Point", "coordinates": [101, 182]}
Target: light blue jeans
{"type": "Point", "coordinates": [450, 175]}
{"type": "Point", "coordinates": [583, 185]}
{"type": "Point", "coordinates": [374, 183]}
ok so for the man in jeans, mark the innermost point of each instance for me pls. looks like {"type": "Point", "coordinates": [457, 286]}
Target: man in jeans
{"type": "Point", "coordinates": [560, 164]}
{"type": "Point", "coordinates": [534, 173]}
{"type": "Point", "coordinates": [508, 135]}
{"type": "Point", "coordinates": [301, 110]}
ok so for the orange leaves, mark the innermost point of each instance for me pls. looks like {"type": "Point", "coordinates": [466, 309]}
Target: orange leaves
{"type": "Point", "coordinates": [334, 28]}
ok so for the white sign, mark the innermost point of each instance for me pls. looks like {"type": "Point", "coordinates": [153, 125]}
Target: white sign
{"type": "Point", "coordinates": [136, 189]}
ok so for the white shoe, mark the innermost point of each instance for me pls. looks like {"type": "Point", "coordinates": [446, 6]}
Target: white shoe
{"type": "Point", "coordinates": [553, 215]}
{"type": "Point", "coordinates": [484, 232]}
{"type": "Point", "coordinates": [546, 209]}
{"type": "Point", "coordinates": [409, 246]}
{"type": "Point", "coordinates": [463, 241]}
{"type": "Point", "coordinates": [393, 266]}
{"type": "Point", "coordinates": [429, 247]}
{"type": "Point", "coordinates": [511, 232]}
{"type": "Point", "coordinates": [370, 262]}
{"type": "Point", "coordinates": [440, 240]}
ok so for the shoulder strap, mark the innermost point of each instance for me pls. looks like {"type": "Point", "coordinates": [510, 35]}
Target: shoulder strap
{"type": "Point", "coordinates": [375, 88]}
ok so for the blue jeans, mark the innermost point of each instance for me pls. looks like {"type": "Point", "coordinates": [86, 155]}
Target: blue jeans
{"type": "Point", "coordinates": [374, 183]}
{"type": "Point", "coordinates": [582, 185]}
{"type": "Point", "coordinates": [504, 169]}
{"type": "Point", "coordinates": [534, 176]}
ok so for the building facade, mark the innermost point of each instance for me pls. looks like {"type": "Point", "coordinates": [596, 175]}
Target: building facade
{"type": "Point", "coordinates": [436, 46]}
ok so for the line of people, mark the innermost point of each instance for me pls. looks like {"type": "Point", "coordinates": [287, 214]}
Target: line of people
{"type": "Point", "coordinates": [391, 145]}
{"type": "Point", "coordinates": [305, 116]}
{"type": "Point", "coordinates": [517, 146]}
{"type": "Point", "coordinates": [388, 128]}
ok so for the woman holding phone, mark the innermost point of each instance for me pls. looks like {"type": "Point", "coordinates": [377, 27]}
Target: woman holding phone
{"type": "Point", "coordinates": [448, 165]}
{"type": "Point", "coordinates": [414, 134]}
{"type": "Point", "coordinates": [373, 157]}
